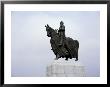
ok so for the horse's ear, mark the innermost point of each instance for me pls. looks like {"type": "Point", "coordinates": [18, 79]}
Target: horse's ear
{"type": "Point", "coordinates": [45, 26]}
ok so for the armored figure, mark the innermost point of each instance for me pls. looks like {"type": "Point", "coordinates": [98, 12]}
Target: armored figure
{"type": "Point", "coordinates": [61, 33]}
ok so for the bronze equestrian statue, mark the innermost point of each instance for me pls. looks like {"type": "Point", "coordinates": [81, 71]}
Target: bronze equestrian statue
{"type": "Point", "coordinates": [62, 46]}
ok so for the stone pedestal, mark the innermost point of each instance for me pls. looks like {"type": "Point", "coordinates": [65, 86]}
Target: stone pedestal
{"type": "Point", "coordinates": [63, 68]}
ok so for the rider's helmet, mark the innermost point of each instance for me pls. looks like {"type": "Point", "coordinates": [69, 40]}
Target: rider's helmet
{"type": "Point", "coordinates": [61, 23]}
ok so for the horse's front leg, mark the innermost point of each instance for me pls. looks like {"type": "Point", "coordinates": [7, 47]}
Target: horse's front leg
{"type": "Point", "coordinates": [66, 58]}
{"type": "Point", "coordinates": [57, 56]}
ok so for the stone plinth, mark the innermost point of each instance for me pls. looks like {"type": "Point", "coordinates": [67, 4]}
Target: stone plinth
{"type": "Point", "coordinates": [63, 68]}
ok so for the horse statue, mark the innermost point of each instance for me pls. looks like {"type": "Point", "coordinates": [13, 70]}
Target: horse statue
{"type": "Point", "coordinates": [68, 50]}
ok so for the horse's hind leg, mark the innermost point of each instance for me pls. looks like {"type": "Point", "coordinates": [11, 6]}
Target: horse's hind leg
{"type": "Point", "coordinates": [76, 59]}
{"type": "Point", "coordinates": [76, 55]}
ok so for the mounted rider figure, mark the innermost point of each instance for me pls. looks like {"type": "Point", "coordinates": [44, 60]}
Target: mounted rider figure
{"type": "Point", "coordinates": [61, 33]}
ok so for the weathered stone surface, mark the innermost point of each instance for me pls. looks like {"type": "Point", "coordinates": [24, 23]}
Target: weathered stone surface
{"type": "Point", "coordinates": [62, 68]}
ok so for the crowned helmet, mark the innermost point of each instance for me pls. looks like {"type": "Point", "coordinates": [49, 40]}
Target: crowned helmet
{"type": "Point", "coordinates": [61, 22]}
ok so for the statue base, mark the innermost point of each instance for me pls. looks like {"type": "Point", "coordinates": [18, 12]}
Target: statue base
{"type": "Point", "coordinates": [63, 68]}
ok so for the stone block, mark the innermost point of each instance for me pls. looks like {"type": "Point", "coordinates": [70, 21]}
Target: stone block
{"type": "Point", "coordinates": [62, 68]}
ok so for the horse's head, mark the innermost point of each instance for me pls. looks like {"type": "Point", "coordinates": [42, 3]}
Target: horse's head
{"type": "Point", "coordinates": [49, 30]}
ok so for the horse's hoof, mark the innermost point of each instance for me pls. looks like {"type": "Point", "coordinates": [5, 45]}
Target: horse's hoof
{"type": "Point", "coordinates": [56, 58]}
{"type": "Point", "coordinates": [66, 59]}
{"type": "Point", "coordinates": [76, 60]}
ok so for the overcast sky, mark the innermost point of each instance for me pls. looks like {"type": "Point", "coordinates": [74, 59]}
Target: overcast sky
{"type": "Point", "coordinates": [31, 49]}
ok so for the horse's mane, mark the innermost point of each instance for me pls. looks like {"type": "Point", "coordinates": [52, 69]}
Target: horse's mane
{"type": "Point", "coordinates": [53, 31]}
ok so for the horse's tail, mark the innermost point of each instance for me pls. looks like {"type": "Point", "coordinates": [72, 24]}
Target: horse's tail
{"type": "Point", "coordinates": [76, 43]}
{"type": "Point", "coordinates": [72, 46]}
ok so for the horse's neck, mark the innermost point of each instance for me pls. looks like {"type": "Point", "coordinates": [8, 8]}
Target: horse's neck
{"type": "Point", "coordinates": [54, 34]}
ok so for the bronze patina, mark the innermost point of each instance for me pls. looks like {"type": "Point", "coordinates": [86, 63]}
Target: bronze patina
{"type": "Point", "coordinates": [62, 46]}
